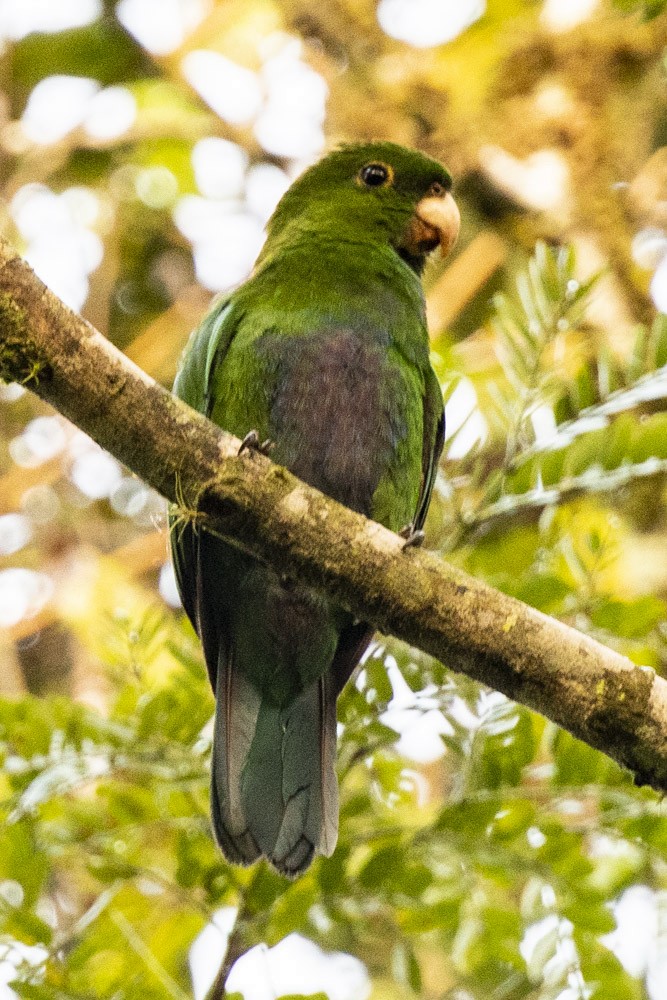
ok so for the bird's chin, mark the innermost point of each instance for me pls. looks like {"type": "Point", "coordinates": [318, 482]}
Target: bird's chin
{"type": "Point", "coordinates": [420, 238]}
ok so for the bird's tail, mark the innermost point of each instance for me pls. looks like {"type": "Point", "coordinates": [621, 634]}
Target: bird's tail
{"type": "Point", "coordinates": [274, 787]}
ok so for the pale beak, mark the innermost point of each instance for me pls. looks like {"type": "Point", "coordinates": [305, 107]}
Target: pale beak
{"type": "Point", "coordinates": [442, 215]}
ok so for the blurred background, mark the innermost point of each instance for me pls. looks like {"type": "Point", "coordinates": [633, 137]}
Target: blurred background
{"type": "Point", "coordinates": [483, 852]}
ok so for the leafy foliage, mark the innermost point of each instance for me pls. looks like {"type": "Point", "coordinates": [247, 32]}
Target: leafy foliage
{"type": "Point", "coordinates": [108, 869]}
{"type": "Point", "coordinates": [648, 8]}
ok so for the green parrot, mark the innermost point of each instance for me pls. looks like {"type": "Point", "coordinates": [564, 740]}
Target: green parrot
{"type": "Point", "coordinates": [323, 351]}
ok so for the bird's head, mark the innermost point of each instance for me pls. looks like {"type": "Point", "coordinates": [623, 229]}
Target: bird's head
{"type": "Point", "coordinates": [375, 193]}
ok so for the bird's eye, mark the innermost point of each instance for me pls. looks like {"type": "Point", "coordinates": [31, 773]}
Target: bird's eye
{"type": "Point", "coordinates": [375, 174]}
{"type": "Point", "coordinates": [437, 189]}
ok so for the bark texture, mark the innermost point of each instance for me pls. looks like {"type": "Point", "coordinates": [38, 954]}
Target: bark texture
{"type": "Point", "coordinates": [598, 695]}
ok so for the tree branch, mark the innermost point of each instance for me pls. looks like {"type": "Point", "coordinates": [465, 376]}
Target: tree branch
{"type": "Point", "coordinates": [592, 691]}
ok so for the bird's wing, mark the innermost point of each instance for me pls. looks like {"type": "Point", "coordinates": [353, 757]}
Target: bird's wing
{"type": "Point", "coordinates": [203, 565]}
{"type": "Point", "coordinates": [207, 345]}
{"type": "Point", "coordinates": [434, 440]}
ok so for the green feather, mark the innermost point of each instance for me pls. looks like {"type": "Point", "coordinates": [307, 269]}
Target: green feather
{"type": "Point", "coordinates": [325, 350]}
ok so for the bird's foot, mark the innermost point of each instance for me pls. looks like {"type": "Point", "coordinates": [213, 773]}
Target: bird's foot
{"type": "Point", "coordinates": [414, 537]}
{"type": "Point", "coordinates": [251, 442]}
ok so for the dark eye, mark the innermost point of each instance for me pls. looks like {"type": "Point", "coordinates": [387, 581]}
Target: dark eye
{"type": "Point", "coordinates": [374, 174]}
{"type": "Point", "coordinates": [437, 189]}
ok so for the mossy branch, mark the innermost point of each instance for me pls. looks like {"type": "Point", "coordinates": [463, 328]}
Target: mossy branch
{"type": "Point", "coordinates": [592, 691]}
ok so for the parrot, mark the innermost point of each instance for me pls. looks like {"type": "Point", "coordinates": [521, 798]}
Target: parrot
{"type": "Point", "coordinates": [322, 355]}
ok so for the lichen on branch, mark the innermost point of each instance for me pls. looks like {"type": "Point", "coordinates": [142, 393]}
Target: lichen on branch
{"type": "Point", "coordinates": [594, 692]}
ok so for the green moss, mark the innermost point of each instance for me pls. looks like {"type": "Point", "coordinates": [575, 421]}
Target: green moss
{"type": "Point", "coordinates": [21, 359]}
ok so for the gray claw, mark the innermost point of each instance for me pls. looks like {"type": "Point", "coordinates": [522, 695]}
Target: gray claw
{"type": "Point", "coordinates": [414, 537]}
{"type": "Point", "coordinates": [251, 442]}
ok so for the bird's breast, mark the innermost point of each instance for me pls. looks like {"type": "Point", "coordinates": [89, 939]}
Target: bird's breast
{"type": "Point", "coordinates": [339, 410]}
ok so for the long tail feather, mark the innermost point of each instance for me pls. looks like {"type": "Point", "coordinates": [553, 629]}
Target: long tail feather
{"type": "Point", "coordinates": [237, 709]}
{"type": "Point", "coordinates": [310, 787]}
{"type": "Point", "coordinates": [274, 787]}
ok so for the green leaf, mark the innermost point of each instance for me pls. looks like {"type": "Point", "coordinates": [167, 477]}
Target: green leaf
{"type": "Point", "coordinates": [382, 866]}
{"type": "Point", "coordinates": [303, 996]}
{"type": "Point", "coordinates": [590, 915]}
{"type": "Point", "coordinates": [545, 592]}
{"type": "Point", "coordinates": [442, 915]}
{"type": "Point", "coordinates": [603, 972]}
{"type": "Point", "coordinates": [630, 619]}
{"type": "Point", "coordinates": [578, 764]}
{"type": "Point", "coordinates": [101, 50]}
{"type": "Point", "coordinates": [658, 338]}
{"type": "Point", "coordinates": [377, 686]}
{"type": "Point", "coordinates": [20, 923]}
{"type": "Point", "coordinates": [405, 967]}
